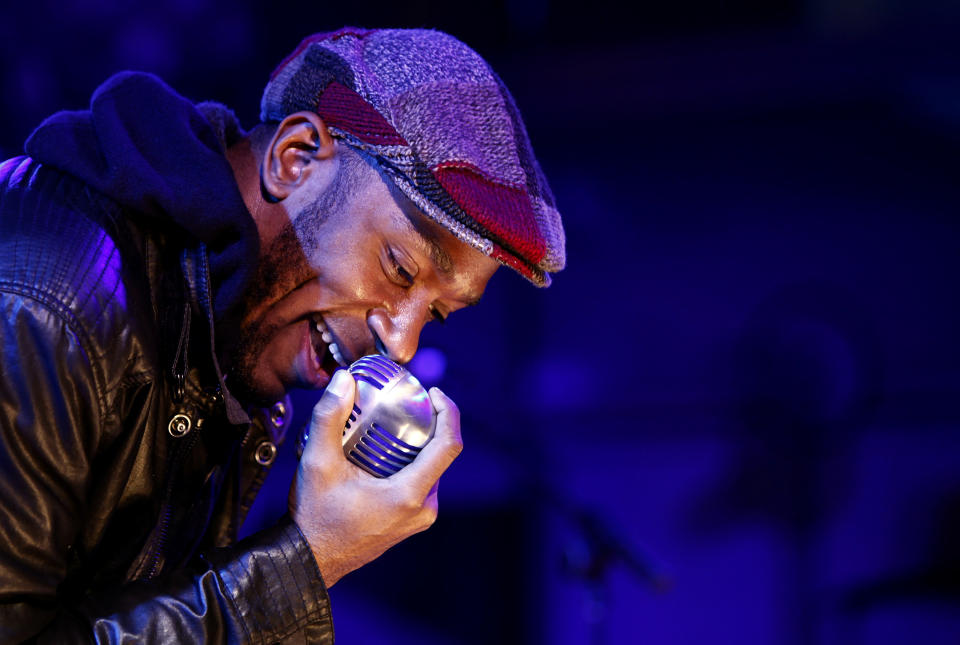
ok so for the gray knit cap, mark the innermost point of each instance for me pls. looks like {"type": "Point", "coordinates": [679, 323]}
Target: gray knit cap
{"type": "Point", "coordinates": [441, 124]}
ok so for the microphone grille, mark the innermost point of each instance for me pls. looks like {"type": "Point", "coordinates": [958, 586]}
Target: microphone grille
{"type": "Point", "coordinates": [392, 418]}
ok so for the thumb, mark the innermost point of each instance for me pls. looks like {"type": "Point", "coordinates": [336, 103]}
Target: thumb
{"type": "Point", "coordinates": [329, 416]}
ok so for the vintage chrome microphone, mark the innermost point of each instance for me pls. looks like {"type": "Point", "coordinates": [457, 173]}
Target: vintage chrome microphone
{"type": "Point", "coordinates": [392, 417]}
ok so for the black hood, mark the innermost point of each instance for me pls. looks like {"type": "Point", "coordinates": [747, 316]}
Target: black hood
{"type": "Point", "coordinates": [157, 154]}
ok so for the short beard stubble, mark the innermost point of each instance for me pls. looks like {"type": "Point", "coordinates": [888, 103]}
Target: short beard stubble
{"type": "Point", "coordinates": [285, 265]}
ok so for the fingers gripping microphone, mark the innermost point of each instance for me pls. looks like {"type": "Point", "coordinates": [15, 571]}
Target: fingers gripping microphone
{"type": "Point", "coordinates": [392, 417]}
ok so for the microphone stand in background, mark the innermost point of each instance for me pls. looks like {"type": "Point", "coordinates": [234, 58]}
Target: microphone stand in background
{"type": "Point", "coordinates": [592, 554]}
{"type": "Point", "coordinates": [596, 548]}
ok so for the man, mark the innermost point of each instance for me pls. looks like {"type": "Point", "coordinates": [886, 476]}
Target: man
{"type": "Point", "coordinates": [162, 274]}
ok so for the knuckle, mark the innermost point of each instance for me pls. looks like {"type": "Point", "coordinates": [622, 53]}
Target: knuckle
{"type": "Point", "coordinates": [428, 517]}
{"type": "Point", "coordinates": [325, 408]}
{"type": "Point", "coordinates": [409, 502]}
{"type": "Point", "coordinates": [313, 465]}
{"type": "Point", "coordinates": [452, 446]}
{"type": "Point", "coordinates": [309, 461]}
{"type": "Point", "coordinates": [453, 450]}
{"type": "Point", "coordinates": [320, 412]}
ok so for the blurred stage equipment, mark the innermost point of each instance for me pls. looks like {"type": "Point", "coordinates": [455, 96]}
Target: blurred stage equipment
{"type": "Point", "coordinates": [590, 556]}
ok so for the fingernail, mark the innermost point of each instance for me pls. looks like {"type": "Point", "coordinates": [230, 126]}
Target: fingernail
{"type": "Point", "coordinates": [340, 383]}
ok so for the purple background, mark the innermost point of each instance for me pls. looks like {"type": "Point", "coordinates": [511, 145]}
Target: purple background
{"type": "Point", "coordinates": [734, 418]}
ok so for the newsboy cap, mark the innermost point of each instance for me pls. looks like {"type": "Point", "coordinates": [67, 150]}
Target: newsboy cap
{"type": "Point", "coordinates": [441, 124]}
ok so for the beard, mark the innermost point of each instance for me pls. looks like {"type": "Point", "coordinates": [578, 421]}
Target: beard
{"type": "Point", "coordinates": [285, 266]}
{"type": "Point", "coordinates": [243, 362]}
{"type": "Point", "coordinates": [280, 269]}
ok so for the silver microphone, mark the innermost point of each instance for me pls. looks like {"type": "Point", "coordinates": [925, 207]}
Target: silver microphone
{"type": "Point", "coordinates": [392, 417]}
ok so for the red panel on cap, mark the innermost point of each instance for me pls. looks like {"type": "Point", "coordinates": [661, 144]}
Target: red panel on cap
{"type": "Point", "coordinates": [343, 108]}
{"type": "Point", "coordinates": [514, 263]}
{"type": "Point", "coordinates": [503, 210]}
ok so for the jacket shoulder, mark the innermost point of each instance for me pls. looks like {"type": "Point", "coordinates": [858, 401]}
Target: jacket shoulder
{"type": "Point", "coordinates": [68, 248]}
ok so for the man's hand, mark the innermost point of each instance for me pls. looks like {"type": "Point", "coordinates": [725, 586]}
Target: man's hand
{"type": "Point", "coordinates": [350, 517]}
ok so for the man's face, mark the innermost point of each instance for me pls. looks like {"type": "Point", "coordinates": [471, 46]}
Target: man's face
{"type": "Point", "coordinates": [358, 270]}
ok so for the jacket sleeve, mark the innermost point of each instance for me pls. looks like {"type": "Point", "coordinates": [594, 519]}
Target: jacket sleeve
{"type": "Point", "coordinates": [264, 589]}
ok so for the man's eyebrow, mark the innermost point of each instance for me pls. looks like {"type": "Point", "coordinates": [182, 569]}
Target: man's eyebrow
{"type": "Point", "coordinates": [438, 255]}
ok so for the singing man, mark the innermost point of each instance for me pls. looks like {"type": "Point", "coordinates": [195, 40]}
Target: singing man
{"type": "Point", "coordinates": [166, 278]}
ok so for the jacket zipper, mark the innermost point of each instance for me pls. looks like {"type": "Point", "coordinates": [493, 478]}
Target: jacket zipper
{"type": "Point", "coordinates": [163, 527]}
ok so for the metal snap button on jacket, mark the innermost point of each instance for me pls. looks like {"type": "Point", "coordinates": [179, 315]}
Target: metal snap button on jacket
{"type": "Point", "coordinates": [265, 453]}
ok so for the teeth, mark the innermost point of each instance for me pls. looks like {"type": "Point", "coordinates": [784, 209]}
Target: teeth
{"type": "Point", "coordinates": [324, 332]}
{"type": "Point", "coordinates": [335, 351]}
{"type": "Point", "coordinates": [328, 339]}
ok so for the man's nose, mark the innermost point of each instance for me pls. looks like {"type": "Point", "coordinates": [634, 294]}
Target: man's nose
{"type": "Point", "coordinates": [397, 334]}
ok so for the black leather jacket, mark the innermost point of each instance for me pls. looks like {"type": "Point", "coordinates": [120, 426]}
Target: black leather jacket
{"type": "Point", "coordinates": [112, 529]}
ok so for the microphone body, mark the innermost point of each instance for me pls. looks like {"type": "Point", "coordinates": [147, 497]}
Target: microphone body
{"type": "Point", "coordinates": [392, 417]}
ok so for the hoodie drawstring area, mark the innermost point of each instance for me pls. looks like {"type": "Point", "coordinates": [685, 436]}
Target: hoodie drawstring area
{"type": "Point", "coordinates": [182, 421]}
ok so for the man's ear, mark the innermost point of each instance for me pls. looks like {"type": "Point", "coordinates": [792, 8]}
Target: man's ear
{"type": "Point", "coordinates": [299, 142]}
